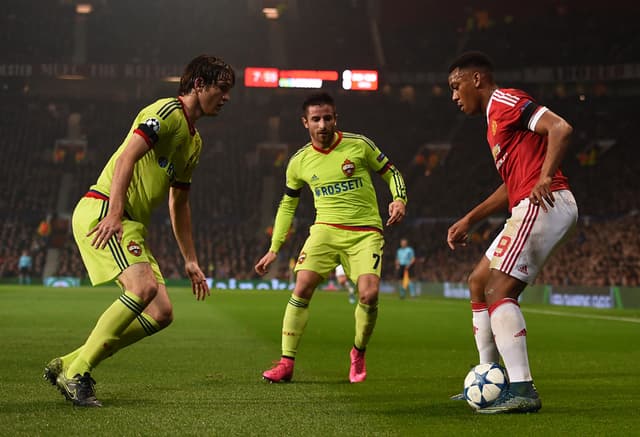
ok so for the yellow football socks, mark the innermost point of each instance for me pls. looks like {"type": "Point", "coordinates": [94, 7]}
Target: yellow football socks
{"type": "Point", "coordinates": [104, 338]}
{"type": "Point", "coordinates": [366, 316]}
{"type": "Point", "coordinates": [295, 320]}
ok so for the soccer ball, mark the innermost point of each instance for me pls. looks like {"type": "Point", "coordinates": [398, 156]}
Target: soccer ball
{"type": "Point", "coordinates": [483, 384]}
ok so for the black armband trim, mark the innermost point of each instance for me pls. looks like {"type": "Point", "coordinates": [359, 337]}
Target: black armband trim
{"type": "Point", "coordinates": [148, 132]}
{"type": "Point", "coordinates": [181, 185]}
{"type": "Point", "coordinates": [527, 110]}
{"type": "Point", "coordinates": [291, 192]}
{"type": "Point", "coordinates": [385, 168]}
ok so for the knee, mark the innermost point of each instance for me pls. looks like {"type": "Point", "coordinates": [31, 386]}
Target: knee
{"type": "Point", "coordinates": [368, 297]}
{"type": "Point", "coordinates": [165, 317]}
{"type": "Point", "coordinates": [476, 286]}
{"type": "Point", "coordinates": [161, 313]}
{"type": "Point", "coordinates": [146, 290]}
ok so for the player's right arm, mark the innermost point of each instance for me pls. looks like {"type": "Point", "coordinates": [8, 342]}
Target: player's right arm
{"type": "Point", "coordinates": [284, 218]}
{"type": "Point", "coordinates": [112, 223]}
{"type": "Point", "coordinates": [558, 133]}
{"type": "Point", "coordinates": [458, 232]}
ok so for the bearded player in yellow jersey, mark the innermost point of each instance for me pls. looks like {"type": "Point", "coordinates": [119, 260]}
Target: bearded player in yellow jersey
{"type": "Point", "coordinates": [110, 222]}
{"type": "Point", "coordinates": [348, 229]}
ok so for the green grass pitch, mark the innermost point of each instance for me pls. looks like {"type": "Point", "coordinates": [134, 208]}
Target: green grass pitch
{"type": "Point", "coordinates": [201, 376]}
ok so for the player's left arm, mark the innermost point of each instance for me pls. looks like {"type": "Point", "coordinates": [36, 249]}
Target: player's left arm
{"type": "Point", "coordinates": [180, 214]}
{"type": "Point", "coordinates": [558, 132]}
{"type": "Point", "coordinates": [392, 176]}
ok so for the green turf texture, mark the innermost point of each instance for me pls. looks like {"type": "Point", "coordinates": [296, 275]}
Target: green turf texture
{"type": "Point", "coordinates": [202, 375]}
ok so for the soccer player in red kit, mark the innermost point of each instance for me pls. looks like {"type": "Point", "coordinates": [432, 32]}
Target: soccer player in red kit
{"type": "Point", "coordinates": [528, 142]}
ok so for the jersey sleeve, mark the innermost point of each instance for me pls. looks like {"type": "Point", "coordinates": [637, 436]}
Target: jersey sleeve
{"type": "Point", "coordinates": [156, 123]}
{"type": "Point", "coordinates": [381, 164]}
{"type": "Point", "coordinates": [287, 207]}
{"type": "Point", "coordinates": [519, 111]}
{"type": "Point", "coordinates": [184, 172]}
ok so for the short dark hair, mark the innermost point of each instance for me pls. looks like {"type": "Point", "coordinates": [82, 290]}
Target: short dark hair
{"type": "Point", "coordinates": [208, 68]}
{"type": "Point", "coordinates": [472, 59]}
{"type": "Point", "coordinates": [318, 99]}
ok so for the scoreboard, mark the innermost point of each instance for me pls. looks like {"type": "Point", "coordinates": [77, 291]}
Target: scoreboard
{"type": "Point", "coordinates": [268, 77]}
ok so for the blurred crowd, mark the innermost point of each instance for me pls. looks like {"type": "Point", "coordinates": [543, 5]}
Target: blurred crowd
{"type": "Point", "coordinates": [231, 226]}
{"type": "Point", "coordinates": [236, 188]}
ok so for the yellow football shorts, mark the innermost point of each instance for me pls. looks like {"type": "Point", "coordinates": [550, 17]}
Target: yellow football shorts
{"type": "Point", "coordinates": [359, 251]}
{"type": "Point", "coordinates": [104, 265]}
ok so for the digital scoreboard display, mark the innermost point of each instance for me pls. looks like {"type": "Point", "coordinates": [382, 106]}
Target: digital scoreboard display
{"type": "Point", "coordinates": [261, 77]}
{"type": "Point", "coordinates": [362, 80]}
{"type": "Point", "coordinates": [269, 77]}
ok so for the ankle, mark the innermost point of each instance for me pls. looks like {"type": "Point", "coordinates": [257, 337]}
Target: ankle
{"type": "Point", "coordinates": [523, 388]}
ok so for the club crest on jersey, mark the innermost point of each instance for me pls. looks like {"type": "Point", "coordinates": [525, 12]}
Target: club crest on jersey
{"type": "Point", "coordinates": [494, 127]}
{"type": "Point", "coordinates": [302, 257]}
{"type": "Point", "coordinates": [348, 168]}
{"type": "Point", "coordinates": [153, 123]}
{"type": "Point", "coordinates": [134, 248]}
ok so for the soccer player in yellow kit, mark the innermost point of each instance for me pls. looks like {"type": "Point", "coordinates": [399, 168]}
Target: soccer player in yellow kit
{"type": "Point", "coordinates": [110, 222]}
{"type": "Point", "coordinates": [348, 228]}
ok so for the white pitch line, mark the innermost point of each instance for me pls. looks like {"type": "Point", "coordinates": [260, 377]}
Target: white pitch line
{"type": "Point", "coordinates": [584, 316]}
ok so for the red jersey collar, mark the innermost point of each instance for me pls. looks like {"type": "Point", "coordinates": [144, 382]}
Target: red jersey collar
{"type": "Point", "coordinates": [192, 129]}
{"type": "Point", "coordinates": [333, 146]}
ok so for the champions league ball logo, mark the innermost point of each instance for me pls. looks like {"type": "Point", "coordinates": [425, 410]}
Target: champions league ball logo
{"type": "Point", "coordinates": [153, 123]}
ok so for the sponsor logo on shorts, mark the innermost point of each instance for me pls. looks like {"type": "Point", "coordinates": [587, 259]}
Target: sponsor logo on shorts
{"type": "Point", "coordinates": [134, 248]}
{"type": "Point", "coordinates": [348, 168]}
{"type": "Point", "coordinates": [523, 269]}
{"type": "Point", "coordinates": [494, 127]}
{"type": "Point", "coordinates": [302, 257]}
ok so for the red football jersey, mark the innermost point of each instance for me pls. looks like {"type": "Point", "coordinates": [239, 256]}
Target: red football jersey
{"type": "Point", "coordinates": [518, 152]}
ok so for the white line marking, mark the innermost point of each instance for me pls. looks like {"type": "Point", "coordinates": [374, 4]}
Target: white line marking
{"type": "Point", "coordinates": [584, 316]}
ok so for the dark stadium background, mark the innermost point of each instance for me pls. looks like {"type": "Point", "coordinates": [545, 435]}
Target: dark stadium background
{"type": "Point", "coordinates": [64, 75]}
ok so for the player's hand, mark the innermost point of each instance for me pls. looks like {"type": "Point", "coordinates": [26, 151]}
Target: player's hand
{"type": "Point", "coordinates": [542, 193]}
{"type": "Point", "coordinates": [397, 211]}
{"type": "Point", "coordinates": [199, 285]}
{"type": "Point", "coordinates": [458, 233]}
{"type": "Point", "coordinates": [263, 265]}
{"type": "Point", "coordinates": [104, 230]}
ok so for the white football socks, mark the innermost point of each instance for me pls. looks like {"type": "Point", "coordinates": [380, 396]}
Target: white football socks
{"type": "Point", "coordinates": [510, 333]}
{"type": "Point", "coordinates": [487, 350]}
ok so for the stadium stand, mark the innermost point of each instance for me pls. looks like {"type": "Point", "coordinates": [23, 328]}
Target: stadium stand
{"type": "Point", "coordinates": [236, 188]}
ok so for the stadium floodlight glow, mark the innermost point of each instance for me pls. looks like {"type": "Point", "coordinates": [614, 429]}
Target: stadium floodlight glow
{"type": "Point", "coordinates": [171, 79]}
{"type": "Point", "coordinates": [361, 80]}
{"type": "Point", "coordinates": [84, 8]}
